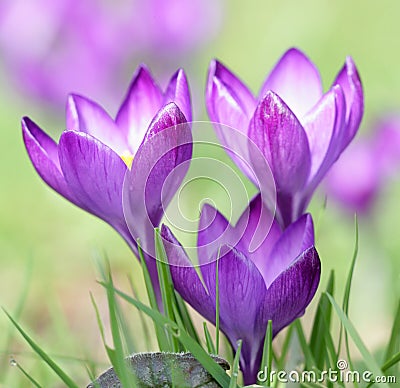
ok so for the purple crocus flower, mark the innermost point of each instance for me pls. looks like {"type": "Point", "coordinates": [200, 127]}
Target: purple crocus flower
{"type": "Point", "coordinates": [276, 281]}
{"type": "Point", "coordinates": [95, 154]}
{"type": "Point", "coordinates": [361, 172]}
{"type": "Point", "coordinates": [300, 130]}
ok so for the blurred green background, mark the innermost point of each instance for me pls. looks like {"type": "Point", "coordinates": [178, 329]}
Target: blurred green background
{"type": "Point", "coordinates": [48, 246]}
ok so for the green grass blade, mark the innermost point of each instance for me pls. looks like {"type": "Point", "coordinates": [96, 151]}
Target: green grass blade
{"type": "Point", "coordinates": [285, 347]}
{"type": "Point", "coordinates": [394, 342]}
{"type": "Point", "coordinates": [117, 354]}
{"type": "Point", "coordinates": [187, 341]}
{"type": "Point", "coordinates": [393, 361]}
{"type": "Point", "coordinates": [346, 296]}
{"type": "Point", "coordinates": [209, 341]}
{"type": "Point", "coordinates": [350, 329]}
{"type": "Point", "coordinates": [17, 315]}
{"type": "Point", "coordinates": [166, 287]}
{"type": "Point", "coordinates": [185, 316]}
{"type": "Point", "coordinates": [162, 338]}
{"type": "Point", "coordinates": [43, 355]}
{"type": "Point", "coordinates": [25, 373]}
{"type": "Point", "coordinates": [309, 358]}
{"type": "Point", "coordinates": [235, 367]}
{"type": "Point", "coordinates": [145, 327]}
{"type": "Point", "coordinates": [321, 325]}
{"type": "Point", "coordinates": [266, 361]}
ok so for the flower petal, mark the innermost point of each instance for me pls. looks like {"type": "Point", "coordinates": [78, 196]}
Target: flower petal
{"type": "Point", "coordinates": [325, 128]}
{"type": "Point", "coordinates": [283, 141]}
{"type": "Point", "coordinates": [297, 82]}
{"type": "Point", "coordinates": [232, 85]}
{"type": "Point", "coordinates": [350, 82]}
{"type": "Point", "coordinates": [43, 152]}
{"type": "Point", "coordinates": [214, 231]}
{"type": "Point", "coordinates": [298, 237]}
{"type": "Point", "coordinates": [241, 294]}
{"type": "Point", "coordinates": [185, 278]}
{"type": "Point", "coordinates": [178, 92]}
{"type": "Point", "coordinates": [290, 293]}
{"type": "Point", "coordinates": [84, 115]}
{"type": "Point", "coordinates": [95, 174]}
{"type": "Point", "coordinates": [157, 171]}
{"type": "Point", "coordinates": [143, 100]}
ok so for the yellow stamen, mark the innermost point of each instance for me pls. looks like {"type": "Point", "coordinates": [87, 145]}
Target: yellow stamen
{"type": "Point", "coordinates": [128, 159]}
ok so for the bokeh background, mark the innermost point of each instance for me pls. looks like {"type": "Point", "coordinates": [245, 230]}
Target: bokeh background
{"type": "Point", "coordinates": [49, 248]}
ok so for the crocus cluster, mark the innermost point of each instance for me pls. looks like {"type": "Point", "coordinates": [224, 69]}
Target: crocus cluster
{"type": "Point", "coordinates": [362, 172]}
{"type": "Point", "coordinates": [299, 130]}
{"type": "Point", "coordinates": [53, 47]}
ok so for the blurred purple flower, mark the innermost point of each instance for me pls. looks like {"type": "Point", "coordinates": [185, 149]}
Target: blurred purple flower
{"type": "Point", "coordinates": [356, 179]}
{"type": "Point", "coordinates": [89, 164]}
{"type": "Point", "coordinates": [300, 130]}
{"type": "Point", "coordinates": [275, 282]}
{"type": "Point", "coordinates": [53, 47]}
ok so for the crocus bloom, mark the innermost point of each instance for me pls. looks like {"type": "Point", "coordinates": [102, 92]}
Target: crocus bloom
{"type": "Point", "coordinates": [274, 282]}
{"type": "Point", "coordinates": [89, 164]}
{"type": "Point", "coordinates": [359, 175]}
{"type": "Point", "coordinates": [300, 130]}
{"type": "Point", "coordinates": [53, 47]}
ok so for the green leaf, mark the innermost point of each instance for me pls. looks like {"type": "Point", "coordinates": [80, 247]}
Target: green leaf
{"type": "Point", "coordinates": [350, 329]}
{"type": "Point", "coordinates": [185, 317]}
{"type": "Point", "coordinates": [235, 367]}
{"type": "Point", "coordinates": [285, 347]}
{"type": "Point", "coordinates": [162, 338]}
{"type": "Point", "coordinates": [145, 327]}
{"type": "Point", "coordinates": [394, 342]}
{"type": "Point", "coordinates": [321, 326]}
{"type": "Point", "coordinates": [25, 373]}
{"type": "Point", "coordinates": [266, 361]}
{"type": "Point", "coordinates": [309, 358]}
{"type": "Point", "coordinates": [393, 361]}
{"type": "Point", "coordinates": [43, 355]}
{"type": "Point", "coordinates": [209, 341]}
{"type": "Point", "coordinates": [166, 287]}
{"type": "Point", "coordinates": [120, 366]}
{"type": "Point", "coordinates": [17, 314]}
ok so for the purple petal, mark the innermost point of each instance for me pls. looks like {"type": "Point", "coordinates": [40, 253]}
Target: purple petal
{"type": "Point", "coordinates": [157, 172]}
{"type": "Point", "coordinates": [43, 152]}
{"type": "Point", "coordinates": [178, 92]}
{"type": "Point", "coordinates": [241, 294]}
{"type": "Point", "coordinates": [83, 115]}
{"type": "Point", "coordinates": [95, 175]}
{"type": "Point", "coordinates": [297, 82]}
{"type": "Point", "coordinates": [325, 128]}
{"type": "Point", "coordinates": [350, 82]}
{"type": "Point", "coordinates": [257, 219]}
{"type": "Point", "coordinates": [298, 237]}
{"type": "Point", "coordinates": [290, 293]}
{"type": "Point", "coordinates": [214, 231]}
{"type": "Point", "coordinates": [234, 86]}
{"type": "Point", "coordinates": [185, 278]}
{"type": "Point", "coordinates": [142, 102]}
{"type": "Point", "coordinates": [283, 141]}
